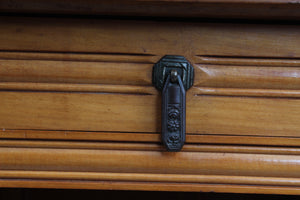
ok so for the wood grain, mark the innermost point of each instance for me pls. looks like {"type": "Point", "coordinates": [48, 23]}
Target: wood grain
{"type": "Point", "coordinates": [87, 112]}
{"type": "Point", "coordinates": [90, 79]}
{"type": "Point", "coordinates": [255, 77]}
{"type": "Point", "coordinates": [105, 85]}
{"type": "Point", "coordinates": [153, 162]}
{"type": "Point", "coordinates": [238, 92]}
{"type": "Point", "coordinates": [158, 178]}
{"type": "Point", "coordinates": [141, 113]}
{"type": "Point", "coordinates": [148, 37]}
{"type": "Point", "coordinates": [75, 72]}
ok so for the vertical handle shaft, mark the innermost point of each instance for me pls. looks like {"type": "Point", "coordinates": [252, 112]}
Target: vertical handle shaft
{"type": "Point", "coordinates": [173, 113]}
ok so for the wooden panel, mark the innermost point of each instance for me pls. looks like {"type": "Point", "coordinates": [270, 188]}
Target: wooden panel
{"type": "Point", "coordinates": [260, 77]}
{"type": "Point", "coordinates": [254, 9]}
{"type": "Point", "coordinates": [148, 37]}
{"type": "Point", "coordinates": [104, 85]}
{"type": "Point", "coordinates": [141, 113]}
{"type": "Point", "coordinates": [73, 111]}
{"type": "Point", "coordinates": [78, 72]}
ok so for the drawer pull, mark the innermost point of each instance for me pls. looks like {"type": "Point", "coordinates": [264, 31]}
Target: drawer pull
{"type": "Point", "coordinates": [173, 75]}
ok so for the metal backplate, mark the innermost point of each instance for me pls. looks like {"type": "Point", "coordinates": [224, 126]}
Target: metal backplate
{"type": "Point", "coordinates": [162, 69]}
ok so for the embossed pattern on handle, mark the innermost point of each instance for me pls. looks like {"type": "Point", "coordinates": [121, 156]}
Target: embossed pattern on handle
{"type": "Point", "coordinates": [173, 114]}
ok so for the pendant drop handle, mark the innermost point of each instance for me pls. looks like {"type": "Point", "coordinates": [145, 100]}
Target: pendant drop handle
{"type": "Point", "coordinates": [173, 75]}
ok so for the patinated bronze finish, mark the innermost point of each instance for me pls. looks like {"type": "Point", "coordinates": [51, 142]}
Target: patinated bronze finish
{"type": "Point", "coordinates": [173, 75]}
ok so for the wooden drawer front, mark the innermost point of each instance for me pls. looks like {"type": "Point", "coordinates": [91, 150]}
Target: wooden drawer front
{"type": "Point", "coordinates": [95, 75]}
{"type": "Point", "coordinates": [78, 109]}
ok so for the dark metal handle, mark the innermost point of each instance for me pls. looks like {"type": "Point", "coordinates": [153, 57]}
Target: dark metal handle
{"type": "Point", "coordinates": [173, 75]}
{"type": "Point", "coordinates": [173, 113]}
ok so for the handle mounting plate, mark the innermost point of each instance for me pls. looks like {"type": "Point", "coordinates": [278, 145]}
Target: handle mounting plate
{"type": "Point", "coordinates": [165, 65]}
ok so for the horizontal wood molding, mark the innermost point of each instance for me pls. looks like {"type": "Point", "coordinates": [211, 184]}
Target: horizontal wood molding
{"type": "Point", "coordinates": [144, 90]}
{"type": "Point", "coordinates": [146, 137]}
{"type": "Point", "coordinates": [255, 77]}
{"type": "Point", "coordinates": [146, 186]}
{"type": "Point", "coordinates": [153, 162]}
{"type": "Point", "coordinates": [246, 61]}
{"type": "Point", "coordinates": [32, 71]}
{"type": "Point", "coordinates": [88, 88]}
{"type": "Point", "coordinates": [73, 167]}
{"type": "Point", "coordinates": [85, 165]}
{"type": "Point", "coordinates": [158, 178]}
{"type": "Point", "coordinates": [249, 9]}
{"type": "Point", "coordinates": [80, 57]}
{"type": "Point", "coordinates": [189, 147]}
{"type": "Point", "coordinates": [76, 72]}
{"type": "Point", "coordinates": [238, 92]}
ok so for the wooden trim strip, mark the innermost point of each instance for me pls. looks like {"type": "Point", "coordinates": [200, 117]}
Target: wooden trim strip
{"type": "Point", "coordinates": [146, 90]}
{"type": "Point", "coordinates": [144, 186]}
{"type": "Point", "coordinates": [139, 177]}
{"type": "Point", "coordinates": [69, 87]}
{"type": "Point", "coordinates": [148, 147]}
{"type": "Point", "coordinates": [153, 162]}
{"type": "Point", "coordinates": [146, 58]}
{"type": "Point", "coordinates": [245, 92]}
{"type": "Point", "coordinates": [246, 61]}
{"type": "Point", "coordinates": [146, 137]}
{"type": "Point", "coordinates": [247, 77]}
{"type": "Point", "coordinates": [57, 75]}
{"type": "Point", "coordinates": [79, 57]}
{"type": "Point", "coordinates": [80, 135]}
{"type": "Point", "coordinates": [75, 72]}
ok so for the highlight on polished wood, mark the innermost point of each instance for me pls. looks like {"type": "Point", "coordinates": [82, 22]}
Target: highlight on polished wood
{"type": "Point", "coordinates": [197, 168]}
